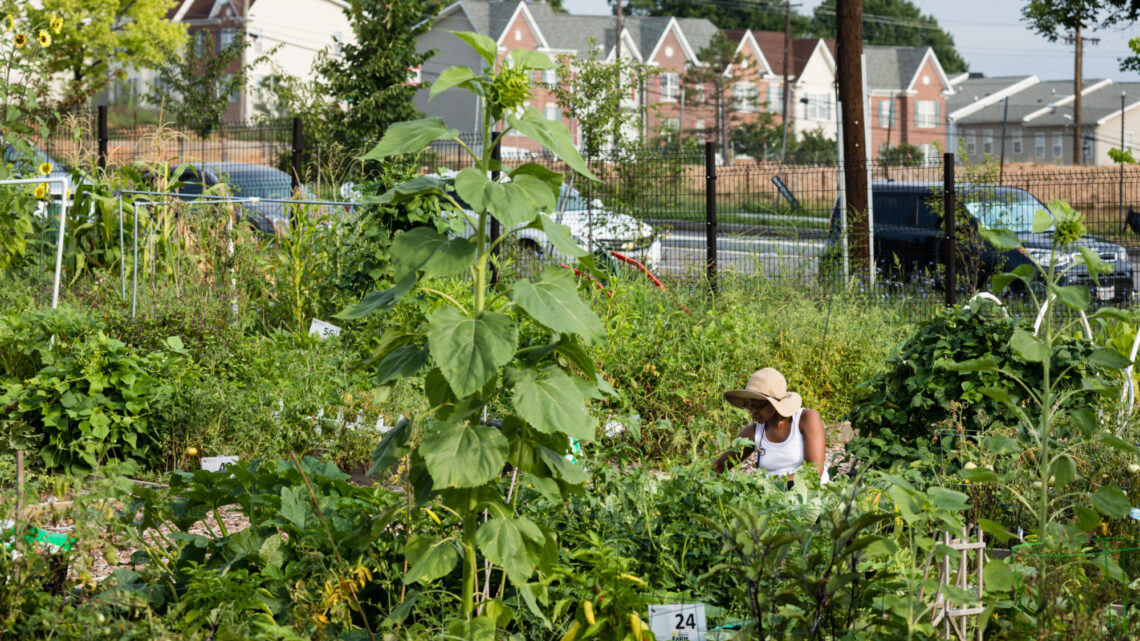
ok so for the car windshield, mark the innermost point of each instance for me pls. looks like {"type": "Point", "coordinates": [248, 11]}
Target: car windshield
{"type": "Point", "coordinates": [1011, 209]}
{"type": "Point", "coordinates": [23, 164]}
{"type": "Point", "coordinates": [570, 200]}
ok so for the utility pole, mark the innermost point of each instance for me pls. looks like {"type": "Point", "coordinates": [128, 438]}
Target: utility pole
{"type": "Point", "coordinates": [849, 45]}
{"type": "Point", "coordinates": [244, 44]}
{"type": "Point", "coordinates": [1078, 83]}
{"type": "Point", "coordinates": [617, 34]}
{"type": "Point", "coordinates": [787, 98]}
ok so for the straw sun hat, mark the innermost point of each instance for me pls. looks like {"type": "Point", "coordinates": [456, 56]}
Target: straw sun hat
{"type": "Point", "coordinates": [767, 385]}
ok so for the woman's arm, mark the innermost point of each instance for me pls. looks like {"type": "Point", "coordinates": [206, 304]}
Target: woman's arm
{"type": "Point", "coordinates": [732, 457]}
{"type": "Point", "coordinates": [815, 440]}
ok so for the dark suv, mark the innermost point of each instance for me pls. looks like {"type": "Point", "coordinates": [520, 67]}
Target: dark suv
{"type": "Point", "coordinates": [909, 235]}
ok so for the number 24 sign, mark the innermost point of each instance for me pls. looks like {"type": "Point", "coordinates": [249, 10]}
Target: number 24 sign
{"type": "Point", "coordinates": [678, 621]}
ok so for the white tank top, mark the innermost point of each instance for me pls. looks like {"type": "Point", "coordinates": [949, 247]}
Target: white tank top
{"type": "Point", "coordinates": [781, 458]}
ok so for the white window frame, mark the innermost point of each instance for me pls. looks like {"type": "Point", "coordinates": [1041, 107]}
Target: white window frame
{"type": "Point", "coordinates": [744, 96]}
{"type": "Point", "coordinates": [775, 99]}
{"type": "Point", "coordinates": [670, 86]}
{"type": "Point", "coordinates": [988, 141]}
{"type": "Point", "coordinates": [971, 143]}
{"type": "Point", "coordinates": [818, 107]}
{"type": "Point", "coordinates": [886, 114]}
{"type": "Point", "coordinates": [552, 112]}
{"type": "Point", "coordinates": [1039, 145]}
{"type": "Point", "coordinates": [926, 114]}
{"type": "Point", "coordinates": [1017, 142]}
{"type": "Point", "coordinates": [1058, 145]}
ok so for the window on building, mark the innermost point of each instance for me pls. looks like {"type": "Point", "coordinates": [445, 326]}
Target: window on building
{"type": "Point", "coordinates": [1128, 141]}
{"type": "Point", "coordinates": [744, 97]}
{"type": "Point", "coordinates": [700, 127]}
{"type": "Point", "coordinates": [550, 76]}
{"type": "Point", "coordinates": [818, 106]}
{"type": "Point", "coordinates": [775, 99]}
{"type": "Point", "coordinates": [699, 94]}
{"type": "Point", "coordinates": [987, 141]}
{"type": "Point", "coordinates": [1039, 145]}
{"type": "Point", "coordinates": [552, 112]}
{"type": "Point", "coordinates": [971, 143]}
{"type": "Point", "coordinates": [926, 114]}
{"type": "Point", "coordinates": [226, 38]}
{"type": "Point", "coordinates": [338, 40]}
{"type": "Point", "coordinates": [1058, 145]}
{"type": "Point", "coordinates": [671, 125]}
{"type": "Point", "coordinates": [886, 113]}
{"type": "Point", "coordinates": [670, 87]}
{"type": "Point", "coordinates": [1017, 142]}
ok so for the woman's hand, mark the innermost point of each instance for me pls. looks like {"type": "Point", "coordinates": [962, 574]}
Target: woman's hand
{"type": "Point", "coordinates": [733, 457]}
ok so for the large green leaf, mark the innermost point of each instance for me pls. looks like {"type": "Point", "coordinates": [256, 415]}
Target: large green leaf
{"type": "Point", "coordinates": [559, 235]}
{"type": "Point", "coordinates": [526, 196]}
{"type": "Point", "coordinates": [1064, 470]}
{"type": "Point", "coordinates": [470, 351]}
{"type": "Point", "coordinates": [554, 302]}
{"type": "Point", "coordinates": [561, 467]}
{"type": "Point", "coordinates": [482, 45]}
{"type": "Point", "coordinates": [504, 541]}
{"type": "Point", "coordinates": [1118, 443]}
{"type": "Point", "coordinates": [551, 403]}
{"type": "Point", "coordinates": [985, 363]}
{"type": "Point", "coordinates": [1029, 347]}
{"type": "Point", "coordinates": [410, 136]}
{"type": "Point", "coordinates": [422, 248]}
{"type": "Point", "coordinates": [478, 190]}
{"type": "Point", "coordinates": [531, 59]}
{"type": "Point", "coordinates": [392, 447]}
{"type": "Point", "coordinates": [295, 505]}
{"type": "Point", "coordinates": [1108, 358]}
{"type": "Point", "coordinates": [552, 179]}
{"type": "Point", "coordinates": [551, 134]}
{"type": "Point", "coordinates": [1092, 260]}
{"type": "Point", "coordinates": [408, 190]}
{"type": "Point", "coordinates": [462, 455]}
{"type": "Point", "coordinates": [430, 560]}
{"type": "Point", "coordinates": [998, 577]}
{"type": "Point", "coordinates": [1000, 238]}
{"type": "Point", "coordinates": [401, 362]}
{"type": "Point", "coordinates": [380, 301]}
{"type": "Point", "coordinates": [457, 76]}
{"type": "Point", "coordinates": [1111, 502]}
{"type": "Point", "coordinates": [1042, 221]}
{"type": "Point", "coordinates": [1073, 296]}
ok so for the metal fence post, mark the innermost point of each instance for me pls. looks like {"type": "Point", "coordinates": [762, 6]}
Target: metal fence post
{"type": "Point", "coordinates": [101, 128]}
{"type": "Point", "coordinates": [710, 213]}
{"type": "Point", "coordinates": [948, 209]}
{"type": "Point", "coordinates": [298, 149]}
{"type": "Point", "coordinates": [496, 157]}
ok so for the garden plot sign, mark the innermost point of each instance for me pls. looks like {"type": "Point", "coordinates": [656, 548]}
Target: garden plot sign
{"type": "Point", "coordinates": [678, 621]}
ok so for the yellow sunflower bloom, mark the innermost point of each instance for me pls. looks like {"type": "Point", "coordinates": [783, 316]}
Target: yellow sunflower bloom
{"type": "Point", "coordinates": [56, 24]}
{"type": "Point", "coordinates": [20, 40]}
{"type": "Point", "coordinates": [45, 168]}
{"type": "Point", "coordinates": [9, 23]}
{"type": "Point", "coordinates": [45, 38]}
{"type": "Point", "coordinates": [41, 191]}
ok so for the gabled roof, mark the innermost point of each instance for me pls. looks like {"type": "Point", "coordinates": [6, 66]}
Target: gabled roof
{"type": "Point", "coordinates": [187, 10]}
{"type": "Point", "coordinates": [771, 43]}
{"type": "Point", "coordinates": [1030, 100]}
{"type": "Point", "coordinates": [746, 39]}
{"type": "Point", "coordinates": [896, 68]}
{"type": "Point", "coordinates": [973, 94]}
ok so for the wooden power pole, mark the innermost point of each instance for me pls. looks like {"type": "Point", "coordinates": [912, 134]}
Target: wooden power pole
{"type": "Point", "coordinates": [1078, 85]}
{"type": "Point", "coordinates": [849, 45]}
{"type": "Point", "coordinates": [617, 34]}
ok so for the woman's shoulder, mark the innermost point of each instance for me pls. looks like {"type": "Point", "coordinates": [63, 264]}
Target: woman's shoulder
{"type": "Point", "coordinates": [810, 417]}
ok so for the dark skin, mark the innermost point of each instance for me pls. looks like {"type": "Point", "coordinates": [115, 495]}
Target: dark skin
{"type": "Point", "coordinates": [778, 429]}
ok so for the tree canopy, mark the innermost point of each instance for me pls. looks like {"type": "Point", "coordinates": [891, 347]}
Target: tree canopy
{"type": "Point", "coordinates": [370, 77]}
{"type": "Point", "coordinates": [101, 39]}
{"type": "Point", "coordinates": [896, 23]}
{"type": "Point", "coordinates": [1055, 18]}
{"type": "Point", "coordinates": [763, 15]}
{"type": "Point", "coordinates": [196, 86]}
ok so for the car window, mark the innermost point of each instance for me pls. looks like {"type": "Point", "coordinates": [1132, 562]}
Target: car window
{"type": "Point", "coordinates": [929, 212]}
{"type": "Point", "coordinates": [268, 185]}
{"type": "Point", "coordinates": [895, 210]}
{"type": "Point", "coordinates": [1004, 208]}
{"type": "Point", "coordinates": [570, 200]}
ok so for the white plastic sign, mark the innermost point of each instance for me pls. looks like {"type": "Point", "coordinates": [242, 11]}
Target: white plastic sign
{"type": "Point", "coordinates": [323, 329]}
{"type": "Point", "coordinates": [217, 463]}
{"type": "Point", "coordinates": [678, 621]}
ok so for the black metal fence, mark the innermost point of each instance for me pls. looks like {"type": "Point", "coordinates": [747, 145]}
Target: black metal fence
{"type": "Point", "coordinates": [685, 216]}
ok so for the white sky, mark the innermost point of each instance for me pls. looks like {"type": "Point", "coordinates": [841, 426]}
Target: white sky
{"type": "Point", "coordinates": [991, 37]}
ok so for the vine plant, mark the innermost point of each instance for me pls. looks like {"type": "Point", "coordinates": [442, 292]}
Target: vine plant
{"type": "Point", "coordinates": [1048, 429]}
{"type": "Point", "coordinates": [472, 350]}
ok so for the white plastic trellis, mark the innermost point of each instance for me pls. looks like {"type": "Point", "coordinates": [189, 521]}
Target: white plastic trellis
{"type": "Point", "coordinates": [62, 182]}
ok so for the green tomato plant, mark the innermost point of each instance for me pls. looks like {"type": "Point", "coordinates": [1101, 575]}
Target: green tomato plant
{"type": "Point", "coordinates": [1049, 426]}
{"type": "Point", "coordinates": [477, 358]}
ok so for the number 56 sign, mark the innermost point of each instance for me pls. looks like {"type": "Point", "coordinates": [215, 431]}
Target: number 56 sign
{"type": "Point", "coordinates": [678, 621]}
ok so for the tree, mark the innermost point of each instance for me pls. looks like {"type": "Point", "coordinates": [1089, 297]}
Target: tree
{"type": "Point", "coordinates": [712, 62]}
{"type": "Point", "coordinates": [813, 148]}
{"type": "Point", "coordinates": [591, 91]}
{"type": "Point", "coordinates": [370, 76]}
{"type": "Point", "coordinates": [100, 39]}
{"type": "Point", "coordinates": [1054, 18]}
{"type": "Point", "coordinates": [196, 87]}
{"type": "Point", "coordinates": [763, 15]}
{"type": "Point", "coordinates": [759, 138]}
{"type": "Point", "coordinates": [896, 23]}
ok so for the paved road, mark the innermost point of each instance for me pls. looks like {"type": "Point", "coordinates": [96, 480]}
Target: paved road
{"type": "Point", "coordinates": [685, 252]}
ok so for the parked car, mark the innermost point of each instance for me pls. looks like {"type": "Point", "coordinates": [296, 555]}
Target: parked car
{"type": "Point", "coordinates": [909, 235]}
{"type": "Point", "coordinates": [246, 180]}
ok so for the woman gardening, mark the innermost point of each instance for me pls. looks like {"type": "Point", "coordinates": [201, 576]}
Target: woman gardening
{"type": "Point", "coordinates": [784, 433]}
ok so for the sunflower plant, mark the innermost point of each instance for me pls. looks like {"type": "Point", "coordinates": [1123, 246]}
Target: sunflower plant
{"type": "Point", "coordinates": [517, 350]}
{"type": "Point", "coordinates": [23, 117]}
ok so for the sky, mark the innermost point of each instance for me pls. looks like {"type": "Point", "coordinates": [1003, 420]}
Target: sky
{"type": "Point", "coordinates": [992, 38]}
